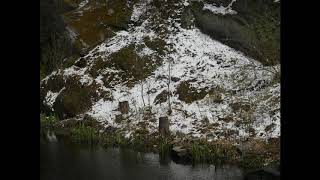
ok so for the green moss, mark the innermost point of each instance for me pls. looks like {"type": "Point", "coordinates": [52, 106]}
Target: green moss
{"type": "Point", "coordinates": [91, 23]}
{"type": "Point", "coordinates": [42, 73]}
{"type": "Point", "coordinates": [76, 101]}
{"type": "Point", "coordinates": [156, 44]}
{"type": "Point", "coordinates": [213, 152]}
{"type": "Point", "coordinates": [98, 65]}
{"type": "Point", "coordinates": [134, 67]}
{"type": "Point", "coordinates": [85, 134]}
{"type": "Point", "coordinates": [70, 61]}
{"type": "Point", "coordinates": [76, 98]}
{"type": "Point", "coordinates": [48, 121]}
{"type": "Point", "coordinates": [189, 94]}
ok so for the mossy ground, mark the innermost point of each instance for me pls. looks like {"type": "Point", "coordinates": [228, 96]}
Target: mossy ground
{"type": "Point", "coordinates": [188, 93]}
{"type": "Point", "coordinates": [156, 44]}
{"type": "Point", "coordinates": [131, 66]}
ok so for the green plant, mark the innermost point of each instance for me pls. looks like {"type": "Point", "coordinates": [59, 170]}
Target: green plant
{"type": "Point", "coordinates": [48, 121]}
{"type": "Point", "coordinates": [164, 148]}
{"type": "Point", "coordinates": [85, 134]}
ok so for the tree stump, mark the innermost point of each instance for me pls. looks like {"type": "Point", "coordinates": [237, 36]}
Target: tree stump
{"type": "Point", "coordinates": [164, 126]}
{"type": "Point", "coordinates": [124, 107]}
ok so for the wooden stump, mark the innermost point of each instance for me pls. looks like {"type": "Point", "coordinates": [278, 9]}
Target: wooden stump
{"type": "Point", "coordinates": [124, 107]}
{"type": "Point", "coordinates": [164, 126]}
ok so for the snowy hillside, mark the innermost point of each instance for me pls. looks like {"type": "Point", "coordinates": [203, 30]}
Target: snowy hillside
{"type": "Point", "coordinates": [214, 90]}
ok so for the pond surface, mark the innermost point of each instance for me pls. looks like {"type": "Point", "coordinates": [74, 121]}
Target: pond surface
{"type": "Point", "coordinates": [63, 160]}
{"type": "Point", "coordinates": [60, 159]}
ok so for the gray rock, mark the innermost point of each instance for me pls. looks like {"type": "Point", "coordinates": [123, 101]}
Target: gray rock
{"type": "Point", "coordinates": [180, 151]}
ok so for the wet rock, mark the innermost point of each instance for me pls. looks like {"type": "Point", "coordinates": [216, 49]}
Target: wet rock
{"type": "Point", "coordinates": [75, 99]}
{"type": "Point", "coordinates": [179, 151]}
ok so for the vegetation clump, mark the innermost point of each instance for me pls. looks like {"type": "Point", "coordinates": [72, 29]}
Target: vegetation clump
{"type": "Point", "coordinates": [156, 44]}
{"type": "Point", "coordinates": [188, 93]}
{"type": "Point", "coordinates": [133, 66]}
{"type": "Point", "coordinates": [85, 134]}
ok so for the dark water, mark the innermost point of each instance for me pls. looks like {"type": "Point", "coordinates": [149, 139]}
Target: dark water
{"type": "Point", "coordinates": [61, 160]}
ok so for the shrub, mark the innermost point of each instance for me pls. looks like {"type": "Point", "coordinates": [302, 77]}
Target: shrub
{"type": "Point", "coordinates": [85, 134]}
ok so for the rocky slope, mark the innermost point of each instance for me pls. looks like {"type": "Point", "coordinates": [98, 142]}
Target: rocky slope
{"type": "Point", "coordinates": [157, 56]}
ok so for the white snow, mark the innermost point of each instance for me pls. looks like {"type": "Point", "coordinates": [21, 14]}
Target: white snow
{"type": "Point", "coordinates": [139, 9]}
{"type": "Point", "coordinates": [51, 98]}
{"type": "Point", "coordinates": [221, 9]}
{"type": "Point", "coordinates": [83, 3]}
{"type": "Point", "coordinates": [86, 80]}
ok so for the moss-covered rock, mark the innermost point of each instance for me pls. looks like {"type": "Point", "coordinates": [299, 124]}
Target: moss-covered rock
{"type": "Point", "coordinates": [98, 64]}
{"type": "Point", "coordinates": [254, 30]}
{"type": "Point", "coordinates": [76, 98]}
{"type": "Point", "coordinates": [70, 61]}
{"type": "Point", "coordinates": [156, 44]}
{"type": "Point", "coordinates": [97, 21]}
{"type": "Point", "coordinates": [133, 66]}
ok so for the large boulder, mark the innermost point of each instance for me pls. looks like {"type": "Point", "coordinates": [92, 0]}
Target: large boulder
{"type": "Point", "coordinates": [68, 95]}
{"type": "Point", "coordinates": [254, 30]}
{"type": "Point", "coordinates": [75, 99]}
{"type": "Point", "coordinates": [97, 21]}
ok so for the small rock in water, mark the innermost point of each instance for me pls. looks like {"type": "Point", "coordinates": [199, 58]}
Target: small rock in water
{"type": "Point", "coordinates": [179, 150]}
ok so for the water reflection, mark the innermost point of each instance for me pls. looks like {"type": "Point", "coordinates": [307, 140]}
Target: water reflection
{"type": "Point", "coordinates": [63, 160]}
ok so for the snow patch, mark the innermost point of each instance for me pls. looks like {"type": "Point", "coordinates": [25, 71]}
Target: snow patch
{"type": "Point", "coordinates": [51, 98]}
{"type": "Point", "coordinates": [221, 9]}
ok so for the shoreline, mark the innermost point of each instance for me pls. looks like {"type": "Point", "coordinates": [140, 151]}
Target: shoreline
{"type": "Point", "coordinates": [251, 154]}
